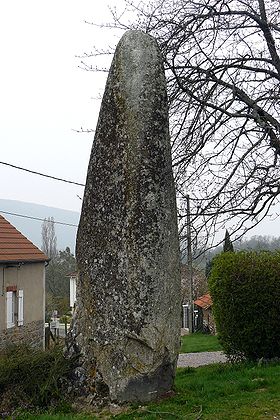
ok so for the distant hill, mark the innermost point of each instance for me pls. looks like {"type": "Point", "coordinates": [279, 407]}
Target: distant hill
{"type": "Point", "coordinates": [66, 235]}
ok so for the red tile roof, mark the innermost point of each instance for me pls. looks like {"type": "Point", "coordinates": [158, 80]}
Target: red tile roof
{"type": "Point", "coordinates": [14, 247]}
{"type": "Point", "coordinates": [204, 301]}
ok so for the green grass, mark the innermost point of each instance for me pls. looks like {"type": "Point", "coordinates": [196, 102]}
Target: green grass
{"type": "Point", "coordinates": [46, 416]}
{"type": "Point", "coordinates": [228, 392]}
{"type": "Point", "coordinates": [217, 392]}
{"type": "Point", "coordinates": [198, 342]}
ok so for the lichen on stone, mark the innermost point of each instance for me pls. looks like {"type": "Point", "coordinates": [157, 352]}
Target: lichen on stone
{"type": "Point", "coordinates": [126, 329]}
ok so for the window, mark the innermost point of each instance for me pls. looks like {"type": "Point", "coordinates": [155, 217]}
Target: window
{"type": "Point", "coordinates": [10, 307]}
{"type": "Point", "coordinates": [14, 308]}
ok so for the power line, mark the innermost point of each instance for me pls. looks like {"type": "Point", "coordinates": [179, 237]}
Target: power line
{"type": "Point", "coordinates": [37, 218]}
{"type": "Point", "coordinates": [41, 174]}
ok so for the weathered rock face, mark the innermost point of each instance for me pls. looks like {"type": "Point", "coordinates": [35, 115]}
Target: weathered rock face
{"type": "Point", "coordinates": [127, 323]}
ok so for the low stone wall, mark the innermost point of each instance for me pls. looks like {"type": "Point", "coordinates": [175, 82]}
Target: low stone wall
{"type": "Point", "coordinates": [31, 334]}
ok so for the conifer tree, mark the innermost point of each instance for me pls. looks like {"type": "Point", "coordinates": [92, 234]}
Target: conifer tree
{"type": "Point", "coordinates": [228, 247]}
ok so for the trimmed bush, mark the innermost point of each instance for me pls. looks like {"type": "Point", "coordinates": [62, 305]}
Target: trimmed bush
{"type": "Point", "coordinates": [245, 288]}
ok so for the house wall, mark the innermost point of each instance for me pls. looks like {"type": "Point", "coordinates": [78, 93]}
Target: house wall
{"type": "Point", "coordinates": [29, 277]}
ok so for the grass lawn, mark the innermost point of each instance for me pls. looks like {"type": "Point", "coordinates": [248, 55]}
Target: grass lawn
{"type": "Point", "coordinates": [197, 342]}
{"type": "Point", "coordinates": [217, 392]}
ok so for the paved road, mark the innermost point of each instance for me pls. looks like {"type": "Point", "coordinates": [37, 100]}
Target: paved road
{"type": "Point", "coordinates": [201, 359]}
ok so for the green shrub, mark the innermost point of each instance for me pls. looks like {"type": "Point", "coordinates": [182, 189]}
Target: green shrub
{"type": "Point", "coordinates": [245, 288]}
{"type": "Point", "coordinates": [31, 378]}
{"type": "Point", "coordinates": [65, 319]}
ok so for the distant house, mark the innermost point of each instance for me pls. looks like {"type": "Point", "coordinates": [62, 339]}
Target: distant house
{"type": "Point", "coordinates": [199, 287]}
{"type": "Point", "coordinates": [205, 315]}
{"type": "Point", "coordinates": [22, 288]}
{"type": "Point", "coordinates": [73, 285]}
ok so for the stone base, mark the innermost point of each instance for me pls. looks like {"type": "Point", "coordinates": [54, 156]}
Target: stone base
{"type": "Point", "coordinates": [146, 388]}
{"type": "Point", "coordinates": [32, 334]}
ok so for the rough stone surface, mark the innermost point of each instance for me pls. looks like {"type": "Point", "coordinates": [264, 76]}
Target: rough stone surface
{"type": "Point", "coordinates": [126, 328]}
{"type": "Point", "coordinates": [31, 334]}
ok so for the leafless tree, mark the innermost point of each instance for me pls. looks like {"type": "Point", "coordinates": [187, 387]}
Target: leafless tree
{"type": "Point", "coordinates": [49, 238]}
{"type": "Point", "coordinates": [223, 74]}
{"type": "Point", "coordinates": [200, 285]}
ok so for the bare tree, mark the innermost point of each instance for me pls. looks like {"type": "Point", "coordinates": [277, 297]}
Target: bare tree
{"type": "Point", "coordinates": [200, 285]}
{"type": "Point", "coordinates": [223, 74]}
{"type": "Point", "coordinates": [49, 238]}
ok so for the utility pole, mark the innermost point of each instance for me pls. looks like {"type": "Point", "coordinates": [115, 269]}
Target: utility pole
{"type": "Point", "coordinates": [189, 264]}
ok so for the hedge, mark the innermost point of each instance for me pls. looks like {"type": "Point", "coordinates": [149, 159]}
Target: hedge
{"type": "Point", "coordinates": [245, 288]}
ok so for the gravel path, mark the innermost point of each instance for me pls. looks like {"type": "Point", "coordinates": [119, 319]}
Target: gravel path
{"type": "Point", "coordinates": [200, 359]}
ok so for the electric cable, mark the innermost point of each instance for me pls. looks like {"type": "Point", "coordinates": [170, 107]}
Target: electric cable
{"type": "Point", "coordinates": [41, 174]}
{"type": "Point", "coordinates": [37, 218]}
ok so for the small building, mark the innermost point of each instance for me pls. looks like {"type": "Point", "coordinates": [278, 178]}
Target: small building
{"type": "Point", "coordinates": [199, 286]}
{"type": "Point", "coordinates": [205, 315]}
{"type": "Point", "coordinates": [22, 289]}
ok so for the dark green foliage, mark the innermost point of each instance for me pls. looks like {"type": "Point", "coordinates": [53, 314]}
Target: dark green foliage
{"type": "Point", "coordinates": [228, 247]}
{"type": "Point", "coordinates": [57, 284]}
{"type": "Point", "coordinates": [245, 288]}
{"type": "Point", "coordinates": [61, 263]}
{"type": "Point", "coordinates": [31, 378]}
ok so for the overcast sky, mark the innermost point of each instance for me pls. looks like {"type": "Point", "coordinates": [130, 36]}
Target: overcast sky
{"type": "Point", "coordinates": [45, 95]}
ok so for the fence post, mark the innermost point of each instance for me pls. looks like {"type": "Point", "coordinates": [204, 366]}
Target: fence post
{"type": "Point", "coordinates": [47, 337]}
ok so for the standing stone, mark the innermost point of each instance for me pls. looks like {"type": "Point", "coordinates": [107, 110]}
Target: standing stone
{"type": "Point", "coordinates": [126, 329]}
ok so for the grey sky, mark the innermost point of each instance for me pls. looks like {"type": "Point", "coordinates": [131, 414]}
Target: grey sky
{"type": "Point", "coordinates": [44, 95]}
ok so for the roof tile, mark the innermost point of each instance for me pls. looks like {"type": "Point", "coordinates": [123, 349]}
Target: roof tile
{"type": "Point", "coordinates": [15, 247]}
{"type": "Point", "coordinates": [204, 301]}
